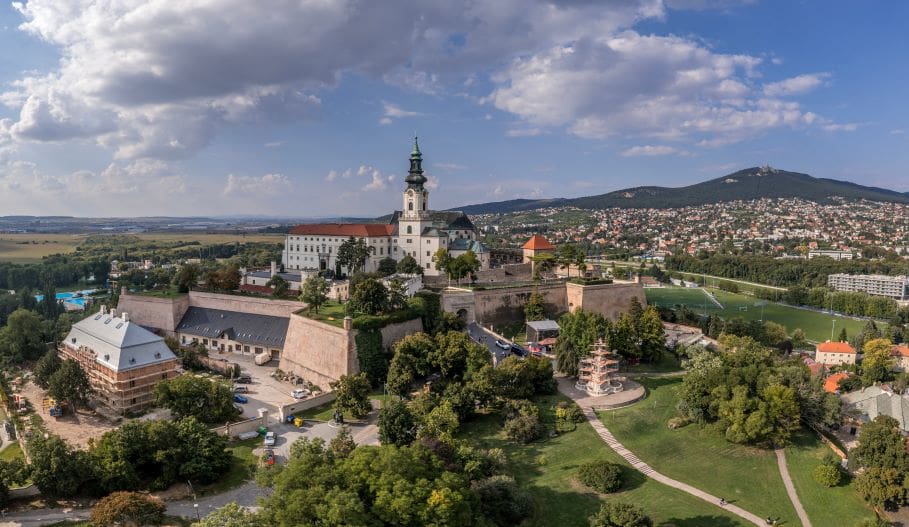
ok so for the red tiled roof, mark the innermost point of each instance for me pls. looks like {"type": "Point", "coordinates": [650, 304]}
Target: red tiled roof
{"type": "Point", "coordinates": [537, 243]}
{"type": "Point", "coordinates": [835, 347]}
{"type": "Point", "coordinates": [343, 229]}
{"type": "Point", "coordinates": [900, 350]}
{"type": "Point", "coordinates": [832, 383]}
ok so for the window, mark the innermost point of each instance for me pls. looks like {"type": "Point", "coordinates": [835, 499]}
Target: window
{"type": "Point", "coordinates": [427, 266]}
{"type": "Point", "coordinates": [205, 341]}
{"type": "Point", "coordinates": [424, 205]}
{"type": "Point", "coordinates": [427, 253]}
{"type": "Point", "coordinates": [132, 384]}
{"type": "Point", "coordinates": [409, 240]}
{"type": "Point", "coordinates": [409, 205]}
{"type": "Point", "coordinates": [427, 242]}
{"type": "Point", "coordinates": [246, 349]}
{"type": "Point", "coordinates": [182, 339]}
{"type": "Point", "coordinates": [258, 350]}
{"type": "Point", "coordinates": [164, 376]}
{"type": "Point", "coordinates": [409, 229]}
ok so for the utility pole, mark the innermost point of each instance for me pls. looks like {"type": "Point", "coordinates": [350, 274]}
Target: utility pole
{"type": "Point", "coordinates": [832, 326]}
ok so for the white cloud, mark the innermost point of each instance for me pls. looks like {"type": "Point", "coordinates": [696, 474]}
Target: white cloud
{"type": "Point", "coordinates": [451, 167]}
{"type": "Point", "coordinates": [524, 132]}
{"type": "Point", "coordinates": [392, 112]}
{"type": "Point", "coordinates": [275, 144]}
{"type": "Point", "coordinates": [378, 180]}
{"type": "Point", "coordinates": [332, 175]}
{"type": "Point", "coordinates": [432, 182]}
{"type": "Point", "coordinates": [268, 184]}
{"type": "Point", "coordinates": [841, 127]}
{"type": "Point", "coordinates": [895, 131]}
{"type": "Point", "coordinates": [796, 85]}
{"type": "Point", "coordinates": [653, 150]}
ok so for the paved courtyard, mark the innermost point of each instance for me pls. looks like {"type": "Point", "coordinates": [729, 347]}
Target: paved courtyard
{"type": "Point", "coordinates": [264, 391]}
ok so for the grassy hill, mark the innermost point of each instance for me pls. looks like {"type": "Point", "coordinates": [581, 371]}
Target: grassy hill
{"type": "Point", "coordinates": [747, 184]}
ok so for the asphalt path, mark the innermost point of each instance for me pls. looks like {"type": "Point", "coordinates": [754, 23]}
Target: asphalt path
{"type": "Point", "coordinates": [484, 336]}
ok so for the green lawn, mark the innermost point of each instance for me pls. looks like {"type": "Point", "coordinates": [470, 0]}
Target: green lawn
{"type": "Point", "coordinates": [815, 325]}
{"type": "Point", "coordinates": [12, 452]}
{"type": "Point", "coordinates": [699, 456]}
{"type": "Point", "coordinates": [331, 313]}
{"type": "Point", "coordinates": [825, 506]}
{"type": "Point", "coordinates": [242, 467]}
{"type": "Point", "coordinates": [548, 471]}
{"type": "Point", "coordinates": [326, 412]}
{"type": "Point", "coordinates": [667, 363]}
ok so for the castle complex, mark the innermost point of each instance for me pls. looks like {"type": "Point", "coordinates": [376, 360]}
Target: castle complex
{"type": "Point", "coordinates": [415, 231]}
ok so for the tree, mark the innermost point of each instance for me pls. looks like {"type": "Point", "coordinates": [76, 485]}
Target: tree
{"type": "Point", "coordinates": [369, 297]}
{"type": "Point", "coordinates": [578, 331]}
{"type": "Point", "coordinates": [342, 444]}
{"type": "Point", "coordinates": [186, 277]}
{"type": "Point", "coordinates": [827, 475]}
{"type": "Point", "coordinates": [314, 292]}
{"type": "Point", "coordinates": [230, 515]}
{"type": "Point", "coordinates": [466, 264]}
{"type": "Point", "coordinates": [442, 260]}
{"type": "Point", "coordinates": [881, 487]}
{"type": "Point", "coordinates": [397, 425]}
{"type": "Point", "coordinates": [278, 285]}
{"type": "Point", "coordinates": [387, 266]}
{"type": "Point", "coordinates": [502, 501]}
{"type": "Point", "coordinates": [128, 508]}
{"type": "Point", "coordinates": [567, 256]}
{"type": "Point", "coordinates": [440, 423]}
{"type": "Point", "coordinates": [843, 337]}
{"type": "Point", "coordinates": [877, 362]}
{"type": "Point", "coordinates": [11, 473]}
{"type": "Point", "coordinates": [57, 469]}
{"type": "Point", "coordinates": [881, 445]}
{"type": "Point", "coordinates": [524, 428]}
{"type": "Point", "coordinates": [187, 395]}
{"type": "Point", "coordinates": [353, 253]}
{"type": "Point", "coordinates": [397, 295]}
{"type": "Point", "coordinates": [535, 308]}
{"type": "Point", "coordinates": [410, 361]}
{"type": "Point", "coordinates": [651, 334]}
{"type": "Point", "coordinates": [23, 337]}
{"type": "Point", "coordinates": [409, 265]}
{"type": "Point", "coordinates": [352, 395]}
{"type": "Point", "coordinates": [69, 383]}
{"type": "Point", "coordinates": [618, 514]}
{"type": "Point", "coordinates": [46, 367]}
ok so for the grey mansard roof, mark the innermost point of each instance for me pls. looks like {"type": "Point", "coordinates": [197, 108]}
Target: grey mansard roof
{"type": "Point", "coordinates": [118, 345]}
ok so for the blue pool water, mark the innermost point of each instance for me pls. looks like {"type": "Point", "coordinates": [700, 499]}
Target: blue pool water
{"type": "Point", "coordinates": [70, 297]}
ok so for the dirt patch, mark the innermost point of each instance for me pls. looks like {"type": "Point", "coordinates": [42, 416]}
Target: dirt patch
{"type": "Point", "coordinates": [77, 428]}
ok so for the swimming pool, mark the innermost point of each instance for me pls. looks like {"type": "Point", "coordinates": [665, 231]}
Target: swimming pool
{"type": "Point", "coordinates": [76, 298]}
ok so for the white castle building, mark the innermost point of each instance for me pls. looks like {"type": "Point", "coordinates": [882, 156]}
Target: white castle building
{"type": "Point", "coordinates": [415, 230]}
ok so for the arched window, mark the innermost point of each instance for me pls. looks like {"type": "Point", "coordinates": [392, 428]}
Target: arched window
{"type": "Point", "coordinates": [409, 205]}
{"type": "Point", "coordinates": [409, 229]}
{"type": "Point", "coordinates": [424, 205]}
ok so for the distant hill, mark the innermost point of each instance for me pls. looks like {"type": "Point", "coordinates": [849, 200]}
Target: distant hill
{"type": "Point", "coordinates": [747, 184]}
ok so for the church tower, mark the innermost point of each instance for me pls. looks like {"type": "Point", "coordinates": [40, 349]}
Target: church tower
{"type": "Point", "coordinates": [416, 197]}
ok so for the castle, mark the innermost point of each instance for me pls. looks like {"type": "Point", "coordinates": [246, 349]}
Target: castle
{"type": "Point", "coordinates": [415, 231]}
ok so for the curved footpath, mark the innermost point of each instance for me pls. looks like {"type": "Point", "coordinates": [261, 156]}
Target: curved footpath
{"type": "Point", "coordinates": [648, 471]}
{"type": "Point", "coordinates": [790, 488]}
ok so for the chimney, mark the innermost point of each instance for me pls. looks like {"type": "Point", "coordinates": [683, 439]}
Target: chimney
{"type": "Point", "coordinates": [125, 316]}
{"type": "Point", "coordinates": [113, 312]}
{"type": "Point", "coordinates": [274, 268]}
{"type": "Point", "coordinates": [103, 309]}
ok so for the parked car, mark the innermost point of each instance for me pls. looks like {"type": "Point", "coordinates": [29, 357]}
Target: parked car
{"type": "Point", "coordinates": [244, 378]}
{"type": "Point", "coordinates": [502, 344]}
{"type": "Point", "coordinates": [271, 438]}
{"type": "Point", "coordinates": [240, 399]}
{"type": "Point", "coordinates": [241, 389]}
{"type": "Point", "coordinates": [518, 350]}
{"type": "Point", "coordinates": [299, 393]}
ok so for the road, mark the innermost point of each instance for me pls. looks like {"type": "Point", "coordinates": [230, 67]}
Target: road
{"type": "Point", "coordinates": [489, 339]}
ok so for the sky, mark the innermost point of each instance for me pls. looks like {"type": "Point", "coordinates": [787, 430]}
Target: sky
{"type": "Point", "coordinates": [307, 108]}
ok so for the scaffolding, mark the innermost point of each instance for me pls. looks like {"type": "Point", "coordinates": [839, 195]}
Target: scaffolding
{"type": "Point", "coordinates": [597, 372]}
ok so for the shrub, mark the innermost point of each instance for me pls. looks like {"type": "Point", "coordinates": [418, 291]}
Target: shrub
{"type": "Point", "coordinates": [569, 412]}
{"type": "Point", "coordinates": [519, 407]}
{"type": "Point", "coordinates": [620, 515]}
{"type": "Point", "coordinates": [524, 428]}
{"type": "Point", "coordinates": [131, 508]}
{"type": "Point", "coordinates": [502, 501]}
{"type": "Point", "coordinates": [601, 476]}
{"type": "Point", "coordinates": [676, 423]}
{"type": "Point", "coordinates": [827, 475]}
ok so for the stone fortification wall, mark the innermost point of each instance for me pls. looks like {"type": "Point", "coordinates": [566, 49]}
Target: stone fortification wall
{"type": "Point", "coordinates": [162, 314]}
{"type": "Point", "coordinates": [610, 300]}
{"type": "Point", "coordinates": [506, 305]}
{"type": "Point", "coordinates": [392, 333]}
{"type": "Point", "coordinates": [318, 352]}
{"type": "Point", "coordinates": [245, 304]}
{"type": "Point", "coordinates": [235, 429]}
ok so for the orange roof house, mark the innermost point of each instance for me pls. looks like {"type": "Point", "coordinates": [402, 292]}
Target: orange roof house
{"type": "Point", "coordinates": [901, 353]}
{"type": "Point", "coordinates": [536, 246]}
{"type": "Point", "coordinates": [364, 230]}
{"type": "Point", "coordinates": [835, 353]}
{"type": "Point", "coordinates": [832, 383]}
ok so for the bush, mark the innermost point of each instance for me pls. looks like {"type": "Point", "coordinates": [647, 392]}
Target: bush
{"type": "Point", "coordinates": [620, 515]}
{"type": "Point", "coordinates": [569, 412]}
{"type": "Point", "coordinates": [827, 475]}
{"type": "Point", "coordinates": [601, 476]}
{"type": "Point", "coordinates": [130, 508]}
{"type": "Point", "coordinates": [502, 501]}
{"type": "Point", "coordinates": [676, 423]}
{"type": "Point", "coordinates": [519, 407]}
{"type": "Point", "coordinates": [524, 428]}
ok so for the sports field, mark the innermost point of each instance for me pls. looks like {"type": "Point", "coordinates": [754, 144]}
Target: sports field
{"type": "Point", "coordinates": [28, 248]}
{"type": "Point", "coordinates": [816, 325]}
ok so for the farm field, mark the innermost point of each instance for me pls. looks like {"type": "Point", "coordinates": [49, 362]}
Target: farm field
{"type": "Point", "coordinates": [548, 470]}
{"type": "Point", "coordinates": [816, 325]}
{"type": "Point", "coordinates": [27, 248]}
{"type": "Point", "coordinates": [746, 476]}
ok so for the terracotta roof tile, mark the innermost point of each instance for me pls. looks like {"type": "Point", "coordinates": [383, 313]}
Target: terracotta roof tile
{"type": "Point", "coordinates": [831, 384]}
{"type": "Point", "coordinates": [835, 347]}
{"type": "Point", "coordinates": [343, 229]}
{"type": "Point", "coordinates": [900, 350]}
{"type": "Point", "coordinates": [537, 243]}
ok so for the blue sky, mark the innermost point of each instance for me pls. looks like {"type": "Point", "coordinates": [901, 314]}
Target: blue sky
{"type": "Point", "coordinates": [307, 107]}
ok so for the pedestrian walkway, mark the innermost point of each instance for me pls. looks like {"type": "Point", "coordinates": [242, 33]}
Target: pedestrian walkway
{"type": "Point", "coordinates": [790, 488]}
{"type": "Point", "coordinates": [648, 471]}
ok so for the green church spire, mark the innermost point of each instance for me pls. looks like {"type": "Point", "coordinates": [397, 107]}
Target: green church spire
{"type": "Point", "coordinates": [415, 177]}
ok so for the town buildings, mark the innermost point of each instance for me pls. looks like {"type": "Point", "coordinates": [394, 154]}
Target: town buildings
{"type": "Point", "coordinates": [123, 360]}
{"type": "Point", "coordinates": [900, 352]}
{"type": "Point", "coordinates": [835, 353]}
{"type": "Point", "coordinates": [829, 253]}
{"type": "Point", "coordinates": [868, 403]}
{"type": "Point", "coordinates": [416, 230]}
{"type": "Point", "coordinates": [224, 331]}
{"type": "Point", "coordinates": [896, 287]}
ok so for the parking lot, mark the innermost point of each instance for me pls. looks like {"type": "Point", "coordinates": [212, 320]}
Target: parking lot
{"type": "Point", "coordinates": [264, 391]}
